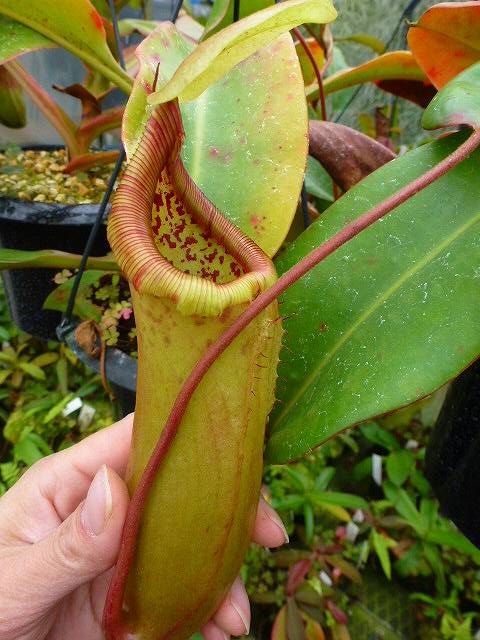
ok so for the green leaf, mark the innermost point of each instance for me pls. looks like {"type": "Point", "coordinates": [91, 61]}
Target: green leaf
{"type": "Point", "coordinates": [435, 560]}
{"type": "Point", "coordinates": [457, 103]}
{"type": "Point", "coordinates": [317, 181]}
{"type": "Point", "coordinates": [309, 521]}
{"type": "Point", "coordinates": [44, 359]}
{"type": "Point", "coordinates": [17, 39]}
{"type": "Point", "coordinates": [347, 500]}
{"type": "Point", "coordinates": [75, 26]}
{"type": "Point", "coordinates": [215, 57]}
{"type": "Point", "coordinates": [364, 39]}
{"type": "Point", "coordinates": [232, 137]}
{"type": "Point", "coordinates": [405, 507]}
{"type": "Point", "coordinates": [399, 464]}
{"type": "Point", "coordinates": [221, 14]}
{"type": "Point", "coordinates": [84, 308]}
{"type": "Point", "coordinates": [324, 478]}
{"type": "Point", "coordinates": [33, 370]}
{"type": "Point", "coordinates": [374, 433]}
{"type": "Point", "coordinates": [383, 321]}
{"type": "Point", "coordinates": [299, 478]}
{"type": "Point", "coordinates": [453, 540]}
{"type": "Point", "coordinates": [27, 451]}
{"type": "Point", "coordinates": [49, 258]}
{"type": "Point", "coordinates": [286, 503]}
{"type": "Point", "coordinates": [382, 544]}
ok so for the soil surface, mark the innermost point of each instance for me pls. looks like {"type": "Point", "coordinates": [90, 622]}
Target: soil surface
{"type": "Point", "coordinates": [39, 176]}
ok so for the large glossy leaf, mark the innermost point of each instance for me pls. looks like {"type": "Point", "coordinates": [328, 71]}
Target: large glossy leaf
{"type": "Point", "coordinates": [446, 40]}
{"type": "Point", "coordinates": [389, 317]}
{"type": "Point", "coordinates": [216, 56]}
{"type": "Point", "coordinates": [17, 39]}
{"type": "Point", "coordinates": [246, 150]}
{"type": "Point", "coordinates": [74, 25]}
{"type": "Point", "coordinates": [222, 13]}
{"type": "Point", "coordinates": [457, 103]}
{"type": "Point", "coordinates": [395, 65]}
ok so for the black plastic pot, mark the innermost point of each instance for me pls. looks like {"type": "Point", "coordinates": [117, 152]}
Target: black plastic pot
{"type": "Point", "coordinates": [33, 226]}
{"type": "Point", "coordinates": [453, 454]}
{"type": "Point", "coordinates": [120, 370]}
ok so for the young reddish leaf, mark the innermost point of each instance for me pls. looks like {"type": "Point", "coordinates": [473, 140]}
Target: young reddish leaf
{"type": "Point", "coordinates": [76, 26]}
{"type": "Point", "coordinates": [12, 104]}
{"type": "Point", "coordinates": [417, 91]}
{"type": "Point", "coordinates": [18, 39]}
{"type": "Point", "coordinates": [297, 573]}
{"type": "Point", "coordinates": [85, 161]}
{"type": "Point", "coordinates": [215, 57]}
{"type": "Point", "coordinates": [90, 105]}
{"type": "Point", "coordinates": [446, 40]}
{"type": "Point", "coordinates": [93, 127]}
{"type": "Point", "coordinates": [279, 628]}
{"type": "Point", "coordinates": [395, 65]}
{"type": "Point", "coordinates": [458, 103]}
{"type": "Point", "coordinates": [224, 147]}
{"type": "Point", "coordinates": [336, 612]}
{"type": "Point", "coordinates": [346, 154]}
{"type": "Point", "coordinates": [294, 622]}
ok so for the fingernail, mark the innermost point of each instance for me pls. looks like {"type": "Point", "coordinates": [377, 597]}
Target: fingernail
{"type": "Point", "coordinates": [97, 508]}
{"type": "Point", "coordinates": [273, 516]}
{"type": "Point", "coordinates": [237, 591]}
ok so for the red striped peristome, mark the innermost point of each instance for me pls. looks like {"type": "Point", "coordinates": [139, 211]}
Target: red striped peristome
{"type": "Point", "coordinates": [133, 243]}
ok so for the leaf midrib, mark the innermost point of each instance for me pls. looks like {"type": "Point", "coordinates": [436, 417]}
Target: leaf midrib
{"type": "Point", "coordinates": [381, 299]}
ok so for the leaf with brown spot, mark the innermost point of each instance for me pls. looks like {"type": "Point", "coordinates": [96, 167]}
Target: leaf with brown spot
{"type": "Point", "coordinates": [347, 155]}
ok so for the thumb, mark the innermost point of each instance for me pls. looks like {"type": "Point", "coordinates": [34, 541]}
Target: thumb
{"type": "Point", "coordinates": [87, 543]}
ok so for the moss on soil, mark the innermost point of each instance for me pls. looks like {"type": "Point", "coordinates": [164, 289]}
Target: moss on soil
{"type": "Point", "coordinates": [39, 176]}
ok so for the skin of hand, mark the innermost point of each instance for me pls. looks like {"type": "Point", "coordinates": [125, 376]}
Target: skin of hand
{"type": "Point", "coordinates": [60, 531]}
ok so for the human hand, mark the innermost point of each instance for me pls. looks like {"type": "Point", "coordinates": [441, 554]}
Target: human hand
{"type": "Point", "coordinates": [60, 531]}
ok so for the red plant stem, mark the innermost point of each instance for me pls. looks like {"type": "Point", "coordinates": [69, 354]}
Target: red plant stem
{"type": "Point", "coordinates": [113, 623]}
{"type": "Point", "coordinates": [323, 102]}
{"type": "Point", "coordinates": [318, 73]}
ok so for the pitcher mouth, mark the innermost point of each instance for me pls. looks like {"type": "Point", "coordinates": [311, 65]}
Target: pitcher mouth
{"type": "Point", "coordinates": [187, 250]}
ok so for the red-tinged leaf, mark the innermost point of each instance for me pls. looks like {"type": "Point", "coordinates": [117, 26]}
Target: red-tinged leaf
{"type": "Point", "coordinates": [86, 161]}
{"type": "Point", "coordinates": [224, 149]}
{"type": "Point", "coordinates": [446, 40]}
{"type": "Point", "coordinates": [75, 26]}
{"type": "Point", "coordinates": [279, 628]}
{"type": "Point", "coordinates": [17, 39]}
{"type": "Point", "coordinates": [340, 632]}
{"type": "Point", "coordinates": [416, 91]}
{"type": "Point", "coordinates": [339, 615]}
{"type": "Point", "coordinates": [313, 630]}
{"type": "Point", "coordinates": [395, 65]}
{"type": "Point", "coordinates": [90, 105]}
{"type": "Point", "coordinates": [93, 127]}
{"type": "Point", "coordinates": [457, 103]}
{"type": "Point", "coordinates": [294, 622]}
{"type": "Point", "coordinates": [346, 154]}
{"type": "Point", "coordinates": [296, 575]}
{"type": "Point", "coordinates": [346, 568]}
{"type": "Point", "coordinates": [48, 107]}
{"type": "Point", "coordinates": [12, 104]}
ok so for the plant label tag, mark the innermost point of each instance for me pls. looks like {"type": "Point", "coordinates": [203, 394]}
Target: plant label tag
{"type": "Point", "coordinates": [85, 416]}
{"type": "Point", "coordinates": [72, 406]}
{"type": "Point", "coordinates": [377, 468]}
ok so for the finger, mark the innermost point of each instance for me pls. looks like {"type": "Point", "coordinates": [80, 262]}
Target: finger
{"type": "Point", "coordinates": [269, 530]}
{"type": "Point", "coordinates": [83, 547]}
{"type": "Point", "coordinates": [64, 478]}
{"type": "Point", "coordinates": [211, 632]}
{"type": "Point", "coordinates": [233, 615]}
